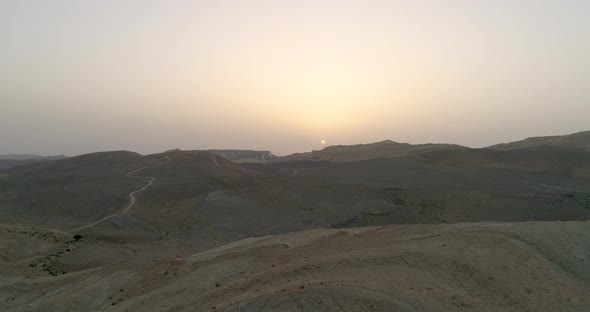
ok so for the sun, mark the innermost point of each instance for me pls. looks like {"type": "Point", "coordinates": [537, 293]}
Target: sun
{"type": "Point", "coordinates": [323, 142]}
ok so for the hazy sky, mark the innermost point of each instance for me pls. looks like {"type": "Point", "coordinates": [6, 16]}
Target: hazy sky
{"type": "Point", "coordinates": [84, 76]}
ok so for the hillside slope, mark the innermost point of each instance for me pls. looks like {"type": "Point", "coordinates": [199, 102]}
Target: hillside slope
{"type": "Point", "coordinates": [205, 200]}
{"type": "Point", "coordinates": [384, 149]}
{"type": "Point", "coordinates": [78, 190]}
{"type": "Point", "coordinates": [554, 160]}
{"type": "Point", "coordinates": [29, 157]}
{"type": "Point", "coordinates": [535, 266]}
{"type": "Point", "coordinates": [579, 140]}
{"type": "Point", "coordinates": [14, 160]}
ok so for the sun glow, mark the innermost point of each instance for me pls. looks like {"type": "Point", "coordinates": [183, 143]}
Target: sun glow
{"type": "Point", "coordinates": [318, 98]}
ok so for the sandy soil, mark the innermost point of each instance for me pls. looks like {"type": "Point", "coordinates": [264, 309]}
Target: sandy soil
{"type": "Point", "coordinates": [532, 266]}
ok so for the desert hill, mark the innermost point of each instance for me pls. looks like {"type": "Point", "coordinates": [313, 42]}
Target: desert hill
{"type": "Point", "coordinates": [29, 157]}
{"type": "Point", "coordinates": [548, 159]}
{"type": "Point", "coordinates": [534, 266]}
{"type": "Point", "coordinates": [14, 160]}
{"type": "Point", "coordinates": [206, 200]}
{"type": "Point", "coordinates": [80, 189]}
{"type": "Point", "coordinates": [401, 228]}
{"type": "Point", "coordinates": [579, 140]}
{"type": "Point", "coordinates": [347, 153]}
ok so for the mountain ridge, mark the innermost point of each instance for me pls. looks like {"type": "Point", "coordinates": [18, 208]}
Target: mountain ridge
{"type": "Point", "coordinates": [579, 140]}
{"type": "Point", "coordinates": [356, 152]}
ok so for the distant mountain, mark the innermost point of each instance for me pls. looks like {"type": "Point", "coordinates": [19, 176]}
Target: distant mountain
{"type": "Point", "coordinates": [579, 140]}
{"type": "Point", "coordinates": [555, 160]}
{"type": "Point", "coordinates": [234, 155]}
{"type": "Point", "coordinates": [383, 149]}
{"type": "Point", "coordinates": [29, 157]}
{"type": "Point", "coordinates": [245, 156]}
{"type": "Point", "coordinates": [13, 160]}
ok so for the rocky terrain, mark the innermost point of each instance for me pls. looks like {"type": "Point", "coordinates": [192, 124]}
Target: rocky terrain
{"type": "Point", "coordinates": [413, 228]}
{"type": "Point", "coordinates": [533, 266]}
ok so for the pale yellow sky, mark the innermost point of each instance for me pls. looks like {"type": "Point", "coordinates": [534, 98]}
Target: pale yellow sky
{"type": "Point", "coordinates": [80, 76]}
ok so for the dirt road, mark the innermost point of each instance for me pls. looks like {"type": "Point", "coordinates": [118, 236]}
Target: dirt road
{"type": "Point", "coordinates": [131, 203]}
{"type": "Point", "coordinates": [215, 162]}
{"type": "Point", "coordinates": [132, 198]}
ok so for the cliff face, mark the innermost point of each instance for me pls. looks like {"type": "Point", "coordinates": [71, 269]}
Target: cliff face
{"type": "Point", "coordinates": [245, 156]}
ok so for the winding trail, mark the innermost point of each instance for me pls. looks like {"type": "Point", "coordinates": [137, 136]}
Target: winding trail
{"type": "Point", "coordinates": [215, 161]}
{"type": "Point", "coordinates": [132, 201]}
{"type": "Point", "coordinates": [132, 198]}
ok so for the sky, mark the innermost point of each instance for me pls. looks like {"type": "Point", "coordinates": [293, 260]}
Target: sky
{"type": "Point", "coordinates": [286, 75]}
